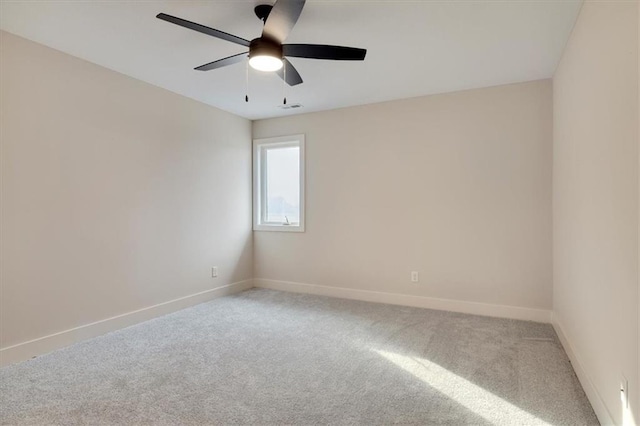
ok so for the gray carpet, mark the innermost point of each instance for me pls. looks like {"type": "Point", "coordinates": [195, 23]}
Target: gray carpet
{"type": "Point", "coordinates": [267, 357]}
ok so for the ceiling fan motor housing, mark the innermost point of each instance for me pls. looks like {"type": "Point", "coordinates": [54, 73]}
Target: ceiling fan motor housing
{"type": "Point", "coordinates": [265, 47]}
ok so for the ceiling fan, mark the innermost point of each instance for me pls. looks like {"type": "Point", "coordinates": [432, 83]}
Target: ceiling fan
{"type": "Point", "coordinates": [267, 52]}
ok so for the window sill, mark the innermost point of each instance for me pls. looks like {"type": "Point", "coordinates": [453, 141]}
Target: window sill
{"type": "Point", "coordinates": [279, 228]}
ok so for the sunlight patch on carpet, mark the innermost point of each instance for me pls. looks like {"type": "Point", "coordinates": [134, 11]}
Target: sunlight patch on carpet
{"type": "Point", "coordinates": [471, 396]}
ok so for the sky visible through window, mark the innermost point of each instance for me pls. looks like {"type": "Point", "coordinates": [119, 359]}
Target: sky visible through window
{"type": "Point", "coordinates": [283, 185]}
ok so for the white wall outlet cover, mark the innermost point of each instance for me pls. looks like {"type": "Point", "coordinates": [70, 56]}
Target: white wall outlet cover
{"type": "Point", "coordinates": [214, 272]}
{"type": "Point", "coordinates": [414, 277]}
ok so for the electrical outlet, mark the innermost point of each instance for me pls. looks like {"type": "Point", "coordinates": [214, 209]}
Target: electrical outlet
{"type": "Point", "coordinates": [624, 392]}
{"type": "Point", "coordinates": [415, 277]}
{"type": "Point", "coordinates": [214, 272]}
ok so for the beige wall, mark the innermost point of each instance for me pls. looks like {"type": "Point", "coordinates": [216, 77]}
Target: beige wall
{"type": "Point", "coordinates": [116, 195]}
{"type": "Point", "coordinates": [595, 200]}
{"type": "Point", "coordinates": [455, 186]}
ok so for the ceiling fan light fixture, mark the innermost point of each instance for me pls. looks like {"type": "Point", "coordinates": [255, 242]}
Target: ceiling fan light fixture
{"type": "Point", "coordinates": [265, 54]}
{"type": "Point", "coordinates": [265, 63]}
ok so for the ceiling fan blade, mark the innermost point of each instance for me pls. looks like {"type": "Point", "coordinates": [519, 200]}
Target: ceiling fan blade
{"type": "Point", "coordinates": [282, 18]}
{"type": "Point", "coordinates": [202, 29]}
{"type": "Point", "coordinates": [292, 76]}
{"type": "Point", "coordinates": [229, 60]}
{"type": "Point", "coordinates": [324, 51]}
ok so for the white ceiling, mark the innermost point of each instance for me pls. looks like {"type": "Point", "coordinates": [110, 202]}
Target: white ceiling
{"type": "Point", "coordinates": [414, 47]}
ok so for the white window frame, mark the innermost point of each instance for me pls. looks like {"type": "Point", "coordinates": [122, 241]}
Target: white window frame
{"type": "Point", "coordinates": [259, 189]}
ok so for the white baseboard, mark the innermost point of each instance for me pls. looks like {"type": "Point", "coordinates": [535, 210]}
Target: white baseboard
{"type": "Point", "coordinates": [501, 311]}
{"type": "Point", "coordinates": [40, 346]}
{"type": "Point", "coordinates": [589, 388]}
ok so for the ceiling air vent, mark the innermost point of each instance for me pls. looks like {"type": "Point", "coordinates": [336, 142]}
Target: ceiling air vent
{"type": "Point", "coordinates": [291, 106]}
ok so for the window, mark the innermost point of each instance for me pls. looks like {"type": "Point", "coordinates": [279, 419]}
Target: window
{"type": "Point", "coordinates": [278, 184]}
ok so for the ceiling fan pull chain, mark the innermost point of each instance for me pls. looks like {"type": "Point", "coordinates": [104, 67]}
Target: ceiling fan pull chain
{"type": "Point", "coordinates": [284, 84]}
{"type": "Point", "coordinates": [246, 96]}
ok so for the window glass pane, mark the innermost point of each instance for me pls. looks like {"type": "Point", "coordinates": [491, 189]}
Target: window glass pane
{"type": "Point", "coordinates": [283, 185]}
